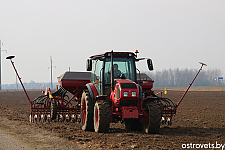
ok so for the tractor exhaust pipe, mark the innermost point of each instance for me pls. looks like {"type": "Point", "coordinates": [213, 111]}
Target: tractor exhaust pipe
{"type": "Point", "coordinates": [112, 72]}
{"type": "Point", "coordinates": [190, 84]}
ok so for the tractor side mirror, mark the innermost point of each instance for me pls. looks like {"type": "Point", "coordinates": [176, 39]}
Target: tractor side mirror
{"type": "Point", "coordinates": [89, 64]}
{"type": "Point", "coordinates": [150, 64]}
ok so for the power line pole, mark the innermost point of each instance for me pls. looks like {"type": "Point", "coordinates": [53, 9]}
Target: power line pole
{"type": "Point", "coordinates": [1, 64]}
{"type": "Point", "coordinates": [51, 70]}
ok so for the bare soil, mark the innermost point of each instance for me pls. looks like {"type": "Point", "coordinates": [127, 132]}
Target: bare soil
{"type": "Point", "coordinates": [200, 119]}
{"type": "Point", "coordinates": [218, 88]}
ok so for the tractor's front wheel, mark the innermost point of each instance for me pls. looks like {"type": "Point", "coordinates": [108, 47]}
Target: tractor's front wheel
{"type": "Point", "coordinates": [87, 112]}
{"type": "Point", "coordinates": [154, 111]}
{"type": "Point", "coordinates": [101, 116]}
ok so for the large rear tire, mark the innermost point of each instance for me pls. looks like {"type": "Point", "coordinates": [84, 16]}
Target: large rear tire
{"type": "Point", "coordinates": [87, 107]}
{"type": "Point", "coordinates": [53, 111]}
{"type": "Point", "coordinates": [101, 116]}
{"type": "Point", "coordinates": [154, 111]}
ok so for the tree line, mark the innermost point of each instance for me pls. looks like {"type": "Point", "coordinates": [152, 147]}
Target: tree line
{"type": "Point", "coordinates": [30, 85]}
{"type": "Point", "coordinates": [165, 78]}
{"type": "Point", "coordinates": [183, 77]}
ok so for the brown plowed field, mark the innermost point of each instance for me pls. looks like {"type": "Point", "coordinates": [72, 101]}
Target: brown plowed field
{"type": "Point", "coordinates": [200, 119]}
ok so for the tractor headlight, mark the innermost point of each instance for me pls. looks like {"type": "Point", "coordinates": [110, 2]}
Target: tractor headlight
{"type": "Point", "coordinates": [133, 94]}
{"type": "Point", "coordinates": [125, 94]}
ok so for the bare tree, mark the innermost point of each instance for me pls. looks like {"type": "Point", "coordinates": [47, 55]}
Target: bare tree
{"type": "Point", "coordinates": [183, 77]}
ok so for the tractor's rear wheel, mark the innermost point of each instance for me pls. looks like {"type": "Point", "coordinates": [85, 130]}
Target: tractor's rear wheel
{"type": "Point", "coordinates": [87, 107]}
{"type": "Point", "coordinates": [101, 116]}
{"type": "Point", "coordinates": [53, 110]}
{"type": "Point", "coordinates": [154, 111]}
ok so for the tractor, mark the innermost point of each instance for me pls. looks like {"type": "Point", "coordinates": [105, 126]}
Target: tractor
{"type": "Point", "coordinates": [116, 92]}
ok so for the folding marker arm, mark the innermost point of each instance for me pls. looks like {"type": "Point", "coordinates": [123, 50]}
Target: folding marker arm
{"type": "Point", "coordinates": [202, 64]}
{"type": "Point", "coordinates": [11, 57]}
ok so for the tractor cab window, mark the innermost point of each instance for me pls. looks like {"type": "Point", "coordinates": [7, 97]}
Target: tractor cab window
{"type": "Point", "coordinates": [96, 75]}
{"type": "Point", "coordinates": [121, 66]}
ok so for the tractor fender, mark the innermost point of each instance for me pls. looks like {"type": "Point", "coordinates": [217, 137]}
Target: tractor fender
{"type": "Point", "coordinates": [92, 90]}
{"type": "Point", "coordinates": [147, 99]}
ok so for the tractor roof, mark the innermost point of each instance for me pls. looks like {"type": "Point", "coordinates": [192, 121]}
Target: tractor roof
{"type": "Point", "coordinates": [115, 54]}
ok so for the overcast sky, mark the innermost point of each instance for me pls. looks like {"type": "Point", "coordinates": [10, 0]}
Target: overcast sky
{"type": "Point", "coordinates": [174, 33]}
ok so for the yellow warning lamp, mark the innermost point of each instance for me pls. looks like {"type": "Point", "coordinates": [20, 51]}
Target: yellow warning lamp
{"type": "Point", "coordinates": [165, 91]}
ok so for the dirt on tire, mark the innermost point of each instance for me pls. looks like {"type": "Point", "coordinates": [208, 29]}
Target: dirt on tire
{"type": "Point", "coordinates": [200, 119]}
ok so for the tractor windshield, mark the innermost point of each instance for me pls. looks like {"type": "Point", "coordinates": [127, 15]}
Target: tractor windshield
{"type": "Point", "coordinates": [123, 66]}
